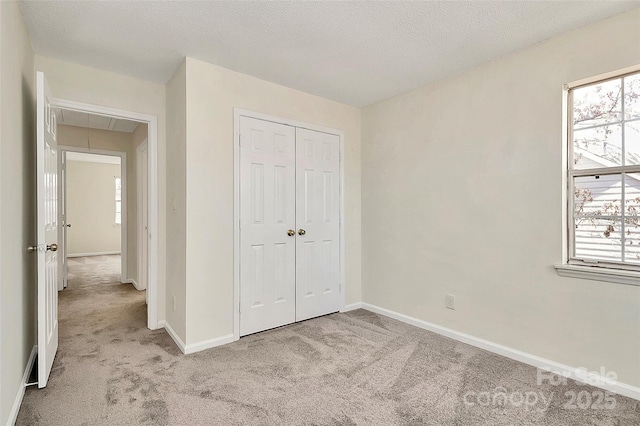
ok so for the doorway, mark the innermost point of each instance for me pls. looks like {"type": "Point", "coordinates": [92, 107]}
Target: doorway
{"type": "Point", "coordinates": [98, 191]}
{"type": "Point", "coordinates": [289, 257]}
{"type": "Point", "coordinates": [48, 198]}
{"type": "Point", "coordinates": [93, 214]}
{"type": "Point", "coordinates": [138, 263]}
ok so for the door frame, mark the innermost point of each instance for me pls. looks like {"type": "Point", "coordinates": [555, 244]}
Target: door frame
{"type": "Point", "coordinates": [140, 177]}
{"type": "Point", "coordinates": [152, 179]}
{"type": "Point", "coordinates": [237, 113]}
{"type": "Point", "coordinates": [124, 253]}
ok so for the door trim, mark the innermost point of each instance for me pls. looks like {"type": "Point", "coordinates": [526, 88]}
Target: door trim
{"type": "Point", "coordinates": [152, 179]}
{"type": "Point", "coordinates": [124, 252]}
{"type": "Point", "coordinates": [237, 113]}
{"type": "Point", "coordinates": [139, 219]}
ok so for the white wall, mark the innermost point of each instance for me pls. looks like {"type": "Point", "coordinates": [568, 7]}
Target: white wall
{"type": "Point", "coordinates": [176, 197]}
{"type": "Point", "coordinates": [93, 86]}
{"type": "Point", "coordinates": [211, 94]}
{"type": "Point", "coordinates": [17, 213]}
{"type": "Point", "coordinates": [91, 208]}
{"type": "Point", "coordinates": [462, 185]}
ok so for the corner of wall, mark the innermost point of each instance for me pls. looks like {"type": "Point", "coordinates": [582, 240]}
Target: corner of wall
{"type": "Point", "coordinates": [176, 309]}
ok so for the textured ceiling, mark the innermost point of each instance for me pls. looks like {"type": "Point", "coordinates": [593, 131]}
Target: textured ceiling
{"type": "Point", "coordinates": [357, 53]}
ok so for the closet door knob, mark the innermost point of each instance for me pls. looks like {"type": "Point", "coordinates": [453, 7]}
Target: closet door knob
{"type": "Point", "coordinates": [291, 232]}
{"type": "Point", "coordinates": [301, 232]}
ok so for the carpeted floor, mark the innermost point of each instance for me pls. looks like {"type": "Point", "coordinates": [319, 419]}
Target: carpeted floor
{"type": "Point", "coordinates": [356, 368]}
{"type": "Point", "coordinates": [86, 272]}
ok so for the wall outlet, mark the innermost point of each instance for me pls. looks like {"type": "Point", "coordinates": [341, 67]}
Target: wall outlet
{"type": "Point", "coordinates": [451, 301]}
{"type": "Point", "coordinates": [173, 299]}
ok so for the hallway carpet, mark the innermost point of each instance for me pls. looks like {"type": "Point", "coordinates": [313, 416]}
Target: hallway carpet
{"type": "Point", "coordinates": [86, 272]}
{"type": "Point", "coordinates": [356, 368]}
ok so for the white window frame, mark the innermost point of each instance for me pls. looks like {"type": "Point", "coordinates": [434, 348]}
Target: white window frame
{"type": "Point", "coordinates": [571, 266]}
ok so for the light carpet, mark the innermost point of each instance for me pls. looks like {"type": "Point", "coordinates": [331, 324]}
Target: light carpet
{"type": "Point", "coordinates": [356, 368]}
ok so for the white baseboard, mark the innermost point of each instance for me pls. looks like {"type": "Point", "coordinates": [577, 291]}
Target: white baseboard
{"type": "Point", "coordinates": [195, 347]}
{"type": "Point", "coordinates": [132, 281]}
{"type": "Point", "coordinates": [173, 335]}
{"type": "Point", "coordinates": [97, 253]}
{"type": "Point", "coordinates": [352, 307]}
{"type": "Point", "coordinates": [13, 415]}
{"type": "Point", "coordinates": [578, 374]}
{"type": "Point", "coordinates": [208, 344]}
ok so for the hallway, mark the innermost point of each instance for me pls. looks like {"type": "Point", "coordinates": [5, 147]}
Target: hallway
{"type": "Point", "coordinates": [103, 334]}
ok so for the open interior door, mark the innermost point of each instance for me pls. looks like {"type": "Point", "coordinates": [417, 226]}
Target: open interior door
{"type": "Point", "coordinates": [47, 205]}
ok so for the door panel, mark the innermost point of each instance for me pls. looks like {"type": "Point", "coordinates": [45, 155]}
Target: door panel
{"type": "Point", "coordinates": [318, 216]}
{"type": "Point", "coordinates": [47, 206]}
{"type": "Point", "coordinates": [267, 212]}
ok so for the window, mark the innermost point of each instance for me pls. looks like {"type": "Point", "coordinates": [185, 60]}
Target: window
{"type": "Point", "coordinates": [118, 201]}
{"type": "Point", "coordinates": [604, 173]}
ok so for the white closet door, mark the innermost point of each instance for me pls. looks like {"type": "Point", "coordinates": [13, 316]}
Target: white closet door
{"type": "Point", "coordinates": [267, 217]}
{"type": "Point", "coordinates": [317, 222]}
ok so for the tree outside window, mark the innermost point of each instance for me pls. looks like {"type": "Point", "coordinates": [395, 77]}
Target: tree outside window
{"type": "Point", "coordinates": [604, 171]}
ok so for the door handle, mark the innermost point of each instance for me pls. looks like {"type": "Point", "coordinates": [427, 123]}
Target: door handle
{"type": "Point", "coordinates": [301, 232]}
{"type": "Point", "coordinates": [291, 232]}
{"type": "Point", "coordinates": [68, 225]}
{"type": "Point", "coordinates": [52, 247]}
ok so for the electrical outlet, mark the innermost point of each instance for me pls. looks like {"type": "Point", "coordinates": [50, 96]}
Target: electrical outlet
{"type": "Point", "coordinates": [173, 299]}
{"type": "Point", "coordinates": [451, 301]}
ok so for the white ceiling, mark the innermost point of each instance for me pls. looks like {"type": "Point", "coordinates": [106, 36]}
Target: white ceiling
{"type": "Point", "coordinates": [357, 53]}
{"type": "Point", "coordinates": [93, 121]}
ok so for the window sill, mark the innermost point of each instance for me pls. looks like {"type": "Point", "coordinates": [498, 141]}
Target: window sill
{"type": "Point", "coordinates": [599, 274]}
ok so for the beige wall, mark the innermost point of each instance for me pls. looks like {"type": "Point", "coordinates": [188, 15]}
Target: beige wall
{"type": "Point", "coordinates": [176, 197]}
{"type": "Point", "coordinates": [17, 213]}
{"type": "Point", "coordinates": [462, 185]}
{"type": "Point", "coordinates": [91, 208]}
{"type": "Point", "coordinates": [211, 94]}
{"type": "Point", "coordinates": [93, 86]}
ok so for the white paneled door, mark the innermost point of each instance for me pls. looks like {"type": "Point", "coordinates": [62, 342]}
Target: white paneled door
{"type": "Point", "coordinates": [47, 205]}
{"type": "Point", "coordinates": [289, 224]}
{"type": "Point", "coordinates": [267, 221]}
{"type": "Point", "coordinates": [318, 224]}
